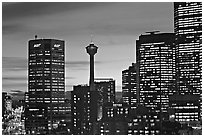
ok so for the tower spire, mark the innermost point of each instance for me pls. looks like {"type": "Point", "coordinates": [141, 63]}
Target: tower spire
{"type": "Point", "coordinates": [92, 39]}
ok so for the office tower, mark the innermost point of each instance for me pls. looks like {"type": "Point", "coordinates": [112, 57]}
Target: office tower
{"type": "Point", "coordinates": [188, 31]}
{"type": "Point", "coordinates": [155, 57]}
{"type": "Point", "coordinates": [46, 86]}
{"type": "Point", "coordinates": [80, 110]}
{"type": "Point", "coordinates": [129, 86]}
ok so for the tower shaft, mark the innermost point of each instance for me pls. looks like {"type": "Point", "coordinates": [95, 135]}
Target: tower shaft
{"type": "Point", "coordinates": [91, 81]}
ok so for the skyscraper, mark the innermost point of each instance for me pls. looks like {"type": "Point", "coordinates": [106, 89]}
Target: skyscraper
{"type": "Point", "coordinates": [46, 86]}
{"type": "Point", "coordinates": [188, 30]}
{"type": "Point", "coordinates": [129, 85]}
{"type": "Point", "coordinates": [155, 57]}
{"type": "Point", "coordinates": [80, 109]}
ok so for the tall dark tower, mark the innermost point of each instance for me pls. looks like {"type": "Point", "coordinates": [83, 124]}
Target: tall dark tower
{"type": "Point", "coordinates": [46, 86]}
{"type": "Point", "coordinates": [91, 50]}
{"type": "Point", "coordinates": [92, 95]}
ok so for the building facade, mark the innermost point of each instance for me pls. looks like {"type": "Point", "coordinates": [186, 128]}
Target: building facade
{"type": "Point", "coordinates": [129, 86]}
{"type": "Point", "coordinates": [188, 31]}
{"type": "Point", "coordinates": [185, 107]}
{"type": "Point", "coordinates": [155, 57]}
{"type": "Point", "coordinates": [114, 120]}
{"type": "Point", "coordinates": [83, 118]}
{"type": "Point", "coordinates": [80, 110]}
{"type": "Point", "coordinates": [140, 122]}
{"type": "Point", "coordinates": [106, 87]}
{"type": "Point", "coordinates": [46, 86]}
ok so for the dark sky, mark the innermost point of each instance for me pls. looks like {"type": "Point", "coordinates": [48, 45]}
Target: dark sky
{"type": "Point", "coordinates": [115, 27]}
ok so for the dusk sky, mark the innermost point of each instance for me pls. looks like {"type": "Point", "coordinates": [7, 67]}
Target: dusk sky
{"type": "Point", "coordinates": [115, 27]}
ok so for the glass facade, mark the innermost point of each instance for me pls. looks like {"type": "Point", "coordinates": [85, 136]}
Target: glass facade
{"type": "Point", "coordinates": [129, 86]}
{"type": "Point", "coordinates": [156, 62]}
{"type": "Point", "coordinates": [46, 85]}
{"type": "Point", "coordinates": [188, 30]}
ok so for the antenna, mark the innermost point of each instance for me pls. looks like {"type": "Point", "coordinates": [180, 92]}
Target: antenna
{"type": "Point", "coordinates": [92, 38]}
{"type": "Point", "coordinates": [36, 36]}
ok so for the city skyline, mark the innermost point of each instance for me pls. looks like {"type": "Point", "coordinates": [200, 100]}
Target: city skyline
{"type": "Point", "coordinates": [74, 23]}
{"type": "Point", "coordinates": [157, 90]}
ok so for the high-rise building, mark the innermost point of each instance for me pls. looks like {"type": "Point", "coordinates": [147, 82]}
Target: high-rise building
{"type": "Point", "coordinates": [80, 109]}
{"type": "Point", "coordinates": [129, 86]}
{"type": "Point", "coordinates": [155, 57]}
{"type": "Point", "coordinates": [45, 107]}
{"type": "Point", "coordinates": [106, 89]}
{"type": "Point", "coordinates": [188, 31]}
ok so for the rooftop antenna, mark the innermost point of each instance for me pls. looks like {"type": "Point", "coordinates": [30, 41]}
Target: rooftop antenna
{"type": "Point", "coordinates": [36, 36]}
{"type": "Point", "coordinates": [91, 38]}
